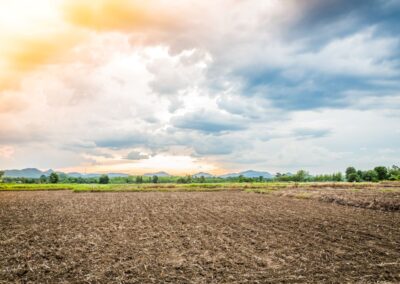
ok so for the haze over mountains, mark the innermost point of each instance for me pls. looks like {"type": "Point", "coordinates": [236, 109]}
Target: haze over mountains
{"type": "Point", "coordinates": [36, 173]}
{"type": "Point", "coordinates": [27, 173]}
{"type": "Point", "coordinates": [159, 174]}
{"type": "Point", "coordinates": [249, 174]}
{"type": "Point", "coordinates": [202, 174]}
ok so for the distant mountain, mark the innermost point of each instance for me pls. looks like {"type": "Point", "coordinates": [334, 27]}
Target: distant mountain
{"type": "Point", "coordinates": [249, 174]}
{"type": "Point", "coordinates": [201, 174]}
{"type": "Point", "coordinates": [159, 174]}
{"type": "Point", "coordinates": [35, 173]}
{"type": "Point", "coordinates": [253, 174]}
{"type": "Point", "coordinates": [27, 173]}
{"type": "Point", "coordinates": [111, 175]}
{"type": "Point", "coordinates": [75, 175]}
{"type": "Point", "coordinates": [48, 172]}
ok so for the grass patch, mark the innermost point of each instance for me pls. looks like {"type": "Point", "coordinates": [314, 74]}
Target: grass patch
{"type": "Point", "coordinates": [263, 188]}
{"type": "Point", "coordinates": [34, 187]}
{"type": "Point", "coordinates": [147, 188]}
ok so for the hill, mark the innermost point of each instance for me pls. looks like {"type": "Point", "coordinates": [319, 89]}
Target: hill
{"type": "Point", "coordinates": [159, 174]}
{"type": "Point", "coordinates": [249, 174]}
{"type": "Point", "coordinates": [201, 174]}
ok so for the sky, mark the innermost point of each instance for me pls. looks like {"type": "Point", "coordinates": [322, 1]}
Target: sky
{"type": "Point", "coordinates": [189, 85]}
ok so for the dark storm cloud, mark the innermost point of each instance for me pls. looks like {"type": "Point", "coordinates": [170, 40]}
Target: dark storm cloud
{"type": "Point", "coordinates": [342, 46]}
{"type": "Point", "coordinates": [313, 92]}
{"type": "Point", "coordinates": [323, 19]}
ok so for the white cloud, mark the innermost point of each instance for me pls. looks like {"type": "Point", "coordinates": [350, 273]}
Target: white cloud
{"type": "Point", "coordinates": [225, 88]}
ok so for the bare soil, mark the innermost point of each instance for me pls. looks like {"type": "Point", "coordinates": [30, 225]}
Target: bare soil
{"type": "Point", "coordinates": [193, 237]}
{"type": "Point", "coordinates": [370, 198]}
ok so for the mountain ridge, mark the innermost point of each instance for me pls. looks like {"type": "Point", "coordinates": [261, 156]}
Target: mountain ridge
{"type": "Point", "coordinates": [158, 174]}
{"type": "Point", "coordinates": [36, 173]}
{"type": "Point", "coordinates": [202, 174]}
{"type": "Point", "coordinates": [249, 174]}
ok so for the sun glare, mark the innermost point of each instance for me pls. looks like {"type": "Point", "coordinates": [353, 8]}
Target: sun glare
{"type": "Point", "coordinates": [176, 165]}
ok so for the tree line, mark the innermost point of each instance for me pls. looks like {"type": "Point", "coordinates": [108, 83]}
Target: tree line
{"type": "Point", "coordinates": [379, 173]}
{"type": "Point", "coordinates": [376, 174]}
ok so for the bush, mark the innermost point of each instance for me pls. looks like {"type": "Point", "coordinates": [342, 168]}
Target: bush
{"type": "Point", "coordinates": [353, 177]}
{"type": "Point", "coordinates": [53, 178]}
{"type": "Point", "coordinates": [104, 179]}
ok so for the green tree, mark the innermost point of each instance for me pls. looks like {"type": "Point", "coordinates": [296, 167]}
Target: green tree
{"type": "Point", "coordinates": [394, 173]}
{"type": "Point", "coordinates": [349, 171]}
{"type": "Point", "coordinates": [337, 177]}
{"type": "Point", "coordinates": [53, 178]}
{"type": "Point", "coordinates": [360, 173]}
{"type": "Point", "coordinates": [104, 179]}
{"type": "Point", "coordinates": [43, 179]}
{"type": "Point", "coordinates": [301, 175]}
{"type": "Point", "coordinates": [382, 172]}
{"type": "Point", "coordinates": [202, 179]}
{"type": "Point", "coordinates": [139, 179]}
{"type": "Point", "coordinates": [371, 175]}
{"type": "Point", "coordinates": [154, 179]}
{"type": "Point", "coordinates": [353, 177]}
{"type": "Point", "coordinates": [1, 175]}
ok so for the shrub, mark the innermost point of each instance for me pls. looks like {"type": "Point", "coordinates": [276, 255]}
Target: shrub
{"type": "Point", "coordinates": [104, 179]}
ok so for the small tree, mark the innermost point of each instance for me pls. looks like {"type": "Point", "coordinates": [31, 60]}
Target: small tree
{"type": "Point", "coordinates": [353, 177]}
{"type": "Point", "coordinates": [53, 178]}
{"type": "Point", "coordinates": [337, 176]}
{"type": "Point", "coordinates": [371, 175]}
{"type": "Point", "coordinates": [301, 176]}
{"type": "Point", "coordinates": [349, 171]}
{"type": "Point", "coordinates": [394, 173]}
{"type": "Point", "coordinates": [43, 179]}
{"type": "Point", "coordinates": [139, 179]}
{"type": "Point", "coordinates": [155, 179]}
{"type": "Point", "coordinates": [104, 179]}
{"type": "Point", "coordinates": [1, 176]}
{"type": "Point", "coordinates": [382, 172]}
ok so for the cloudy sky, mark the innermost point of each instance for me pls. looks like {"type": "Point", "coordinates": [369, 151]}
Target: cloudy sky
{"type": "Point", "coordinates": [192, 85]}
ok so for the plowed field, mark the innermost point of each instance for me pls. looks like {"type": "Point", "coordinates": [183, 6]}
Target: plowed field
{"type": "Point", "coordinates": [193, 237]}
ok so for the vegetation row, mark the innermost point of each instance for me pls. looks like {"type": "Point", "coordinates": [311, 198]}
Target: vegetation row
{"type": "Point", "coordinates": [377, 174]}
